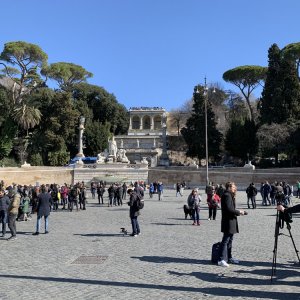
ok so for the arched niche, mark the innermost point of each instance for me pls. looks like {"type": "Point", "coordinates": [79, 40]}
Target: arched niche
{"type": "Point", "coordinates": [146, 122]}
{"type": "Point", "coordinates": [135, 122]}
{"type": "Point", "coordinates": [157, 122]}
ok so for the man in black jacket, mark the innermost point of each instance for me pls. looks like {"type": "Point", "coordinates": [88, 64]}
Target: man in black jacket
{"type": "Point", "coordinates": [43, 209]}
{"type": "Point", "coordinates": [134, 212]}
{"type": "Point", "coordinates": [229, 224]}
{"type": "Point", "coordinates": [4, 203]}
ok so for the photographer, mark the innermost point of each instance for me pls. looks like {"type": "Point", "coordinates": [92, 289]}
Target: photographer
{"type": "Point", "coordinates": [290, 210]}
{"type": "Point", "coordinates": [280, 198]}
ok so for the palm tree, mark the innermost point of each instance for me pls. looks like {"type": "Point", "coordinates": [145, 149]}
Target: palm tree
{"type": "Point", "coordinates": [26, 116]}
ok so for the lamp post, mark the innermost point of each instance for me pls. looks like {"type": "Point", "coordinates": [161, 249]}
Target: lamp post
{"type": "Point", "coordinates": [205, 93]}
{"type": "Point", "coordinates": [80, 137]}
{"type": "Point", "coordinates": [206, 136]}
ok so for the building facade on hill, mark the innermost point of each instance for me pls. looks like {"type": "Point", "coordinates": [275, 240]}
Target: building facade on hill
{"type": "Point", "coordinates": [146, 133]}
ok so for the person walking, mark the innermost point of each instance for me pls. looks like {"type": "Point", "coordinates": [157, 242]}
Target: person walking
{"type": "Point", "coordinates": [178, 189]}
{"type": "Point", "coordinates": [213, 203]}
{"type": "Point", "coordinates": [4, 203]}
{"type": "Point", "coordinates": [193, 201]}
{"type": "Point", "coordinates": [229, 224]}
{"type": "Point", "coordinates": [12, 210]}
{"type": "Point", "coordinates": [43, 209]}
{"type": "Point", "coordinates": [134, 211]}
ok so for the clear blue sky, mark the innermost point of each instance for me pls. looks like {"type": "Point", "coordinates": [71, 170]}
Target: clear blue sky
{"type": "Point", "coordinates": [153, 52]}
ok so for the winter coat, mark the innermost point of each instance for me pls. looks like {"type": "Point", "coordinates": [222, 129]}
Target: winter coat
{"type": "Point", "coordinates": [44, 202]}
{"type": "Point", "coordinates": [133, 210]}
{"type": "Point", "coordinates": [25, 205]}
{"type": "Point", "coordinates": [213, 201]}
{"type": "Point", "coordinates": [229, 223]}
{"type": "Point", "coordinates": [14, 204]}
{"type": "Point", "coordinates": [194, 201]}
{"type": "Point", "coordinates": [4, 203]}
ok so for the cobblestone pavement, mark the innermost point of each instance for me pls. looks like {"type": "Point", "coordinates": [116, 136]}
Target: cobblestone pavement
{"type": "Point", "coordinates": [169, 260]}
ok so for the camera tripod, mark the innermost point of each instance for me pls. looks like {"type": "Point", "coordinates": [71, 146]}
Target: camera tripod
{"type": "Point", "coordinates": [279, 225]}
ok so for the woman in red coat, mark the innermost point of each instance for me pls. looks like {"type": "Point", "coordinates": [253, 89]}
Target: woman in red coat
{"type": "Point", "coordinates": [213, 202]}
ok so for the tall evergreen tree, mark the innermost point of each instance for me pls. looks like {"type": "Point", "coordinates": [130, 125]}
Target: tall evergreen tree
{"type": "Point", "coordinates": [194, 131]}
{"type": "Point", "coordinates": [281, 94]}
{"type": "Point", "coordinates": [241, 138]}
{"type": "Point", "coordinates": [272, 89]}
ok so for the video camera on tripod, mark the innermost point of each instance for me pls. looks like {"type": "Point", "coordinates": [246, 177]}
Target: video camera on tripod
{"type": "Point", "coordinates": [281, 218]}
{"type": "Point", "coordinates": [281, 200]}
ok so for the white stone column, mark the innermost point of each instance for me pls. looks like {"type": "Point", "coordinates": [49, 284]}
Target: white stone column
{"type": "Point", "coordinates": [152, 123]}
{"type": "Point", "coordinates": [130, 123]}
{"type": "Point", "coordinates": [141, 122]}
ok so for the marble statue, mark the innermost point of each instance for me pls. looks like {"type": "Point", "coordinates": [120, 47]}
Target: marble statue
{"type": "Point", "coordinates": [112, 147]}
{"type": "Point", "coordinates": [121, 156]}
{"type": "Point", "coordinates": [101, 158]}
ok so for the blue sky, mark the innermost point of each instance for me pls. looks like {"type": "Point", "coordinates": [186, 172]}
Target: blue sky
{"type": "Point", "coordinates": [153, 52]}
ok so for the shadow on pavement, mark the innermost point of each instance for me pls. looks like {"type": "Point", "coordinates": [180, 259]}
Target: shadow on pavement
{"type": "Point", "coordinates": [216, 291]}
{"type": "Point", "coordinates": [165, 260]}
{"type": "Point", "coordinates": [99, 234]}
{"type": "Point", "coordinates": [170, 224]}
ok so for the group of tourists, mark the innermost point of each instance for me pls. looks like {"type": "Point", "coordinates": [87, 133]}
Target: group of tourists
{"type": "Point", "coordinates": [20, 202]}
{"type": "Point", "coordinates": [268, 193]}
{"type": "Point", "coordinates": [213, 196]}
{"type": "Point", "coordinates": [156, 187]}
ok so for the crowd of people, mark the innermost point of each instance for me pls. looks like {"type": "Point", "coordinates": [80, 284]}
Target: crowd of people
{"type": "Point", "coordinates": [19, 203]}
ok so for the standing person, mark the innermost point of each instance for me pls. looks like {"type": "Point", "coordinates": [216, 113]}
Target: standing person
{"type": "Point", "coordinates": [151, 190]}
{"type": "Point", "coordinates": [4, 203]}
{"type": "Point", "coordinates": [193, 201]}
{"type": "Point", "coordinates": [229, 224]}
{"type": "Point", "coordinates": [124, 191]}
{"type": "Point", "coordinates": [13, 211]}
{"type": "Point", "coordinates": [25, 206]}
{"type": "Point", "coordinates": [100, 192]}
{"type": "Point", "coordinates": [82, 196]}
{"type": "Point", "coordinates": [160, 190]}
{"type": "Point", "coordinates": [213, 205]}
{"type": "Point", "coordinates": [251, 194]}
{"type": "Point", "coordinates": [134, 212]}
{"type": "Point", "coordinates": [93, 189]}
{"type": "Point", "coordinates": [111, 195]}
{"type": "Point", "coordinates": [64, 195]}
{"type": "Point", "coordinates": [266, 189]}
{"type": "Point", "coordinates": [43, 209]}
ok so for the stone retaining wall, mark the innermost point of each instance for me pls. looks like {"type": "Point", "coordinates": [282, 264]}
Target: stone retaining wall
{"type": "Point", "coordinates": [241, 176]}
{"type": "Point", "coordinates": [169, 176]}
{"type": "Point", "coordinates": [33, 175]}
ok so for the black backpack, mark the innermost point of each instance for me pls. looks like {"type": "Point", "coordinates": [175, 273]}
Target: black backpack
{"type": "Point", "coordinates": [139, 202]}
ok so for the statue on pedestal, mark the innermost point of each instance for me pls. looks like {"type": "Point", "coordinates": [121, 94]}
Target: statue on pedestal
{"type": "Point", "coordinates": [101, 158]}
{"type": "Point", "coordinates": [121, 156]}
{"type": "Point", "coordinates": [112, 148]}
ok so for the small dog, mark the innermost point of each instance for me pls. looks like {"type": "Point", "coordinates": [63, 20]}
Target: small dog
{"type": "Point", "coordinates": [124, 231]}
{"type": "Point", "coordinates": [187, 211]}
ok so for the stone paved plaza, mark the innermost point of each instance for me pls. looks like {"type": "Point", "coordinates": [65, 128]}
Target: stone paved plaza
{"type": "Point", "coordinates": [85, 257]}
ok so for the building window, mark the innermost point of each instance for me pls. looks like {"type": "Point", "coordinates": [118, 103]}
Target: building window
{"type": "Point", "coordinates": [157, 122]}
{"type": "Point", "coordinates": [135, 122]}
{"type": "Point", "coordinates": [146, 122]}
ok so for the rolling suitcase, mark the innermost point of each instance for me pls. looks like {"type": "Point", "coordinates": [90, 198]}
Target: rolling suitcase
{"type": "Point", "coordinates": [215, 252]}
